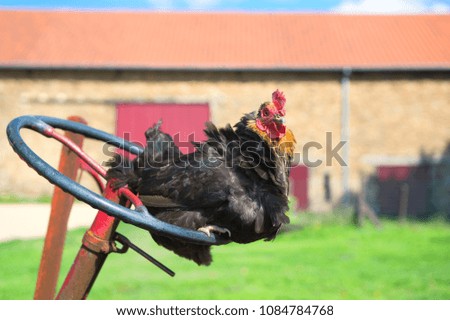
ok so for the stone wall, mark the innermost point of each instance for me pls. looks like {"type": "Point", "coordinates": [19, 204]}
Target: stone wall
{"type": "Point", "coordinates": [392, 116]}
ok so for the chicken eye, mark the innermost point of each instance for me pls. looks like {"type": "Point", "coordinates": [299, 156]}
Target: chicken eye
{"type": "Point", "coordinates": [265, 112]}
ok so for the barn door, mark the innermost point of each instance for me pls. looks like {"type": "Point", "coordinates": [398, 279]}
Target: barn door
{"type": "Point", "coordinates": [299, 185]}
{"type": "Point", "coordinates": [184, 122]}
{"type": "Point", "coordinates": [405, 188]}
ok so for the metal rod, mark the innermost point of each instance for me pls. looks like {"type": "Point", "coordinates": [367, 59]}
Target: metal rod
{"type": "Point", "coordinates": [92, 254]}
{"type": "Point", "coordinates": [85, 167]}
{"type": "Point", "coordinates": [125, 241]}
{"type": "Point", "coordinates": [57, 226]}
{"type": "Point", "coordinates": [76, 149]}
{"type": "Point", "coordinates": [345, 131]}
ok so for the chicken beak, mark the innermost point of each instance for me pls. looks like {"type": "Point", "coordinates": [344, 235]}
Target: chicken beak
{"type": "Point", "coordinates": [279, 119]}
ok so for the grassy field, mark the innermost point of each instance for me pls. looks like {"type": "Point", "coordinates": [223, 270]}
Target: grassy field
{"type": "Point", "coordinates": [11, 198]}
{"type": "Point", "coordinates": [314, 260]}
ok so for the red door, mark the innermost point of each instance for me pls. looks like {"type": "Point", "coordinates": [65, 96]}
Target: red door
{"type": "Point", "coordinates": [299, 185]}
{"type": "Point", "coordinates": [184, 122]}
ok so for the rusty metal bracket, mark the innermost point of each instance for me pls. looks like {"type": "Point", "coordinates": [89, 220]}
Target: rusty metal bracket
{"type": "Point", "coordinates": [97, 244]}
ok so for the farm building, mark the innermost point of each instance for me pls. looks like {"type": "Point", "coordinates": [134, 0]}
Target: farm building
{"type": "Point", "coordinates": [367, 96]}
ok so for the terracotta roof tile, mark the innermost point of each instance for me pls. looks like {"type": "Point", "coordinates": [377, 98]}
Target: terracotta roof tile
{"type": "Point", "coordinates": [222, 40]}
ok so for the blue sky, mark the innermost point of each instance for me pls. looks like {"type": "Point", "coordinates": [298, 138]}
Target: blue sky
{"type": "Point", "coordinates": [344, 6]}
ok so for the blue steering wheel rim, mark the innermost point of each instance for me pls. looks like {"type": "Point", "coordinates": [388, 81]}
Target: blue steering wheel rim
{"type": "Point", "coordinates": [139, 217]}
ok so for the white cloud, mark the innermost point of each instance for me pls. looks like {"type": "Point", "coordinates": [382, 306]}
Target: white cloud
{"type": "Point", "coordinates": [184, 4]}
{"type": "Point", "coordinates": [391, 6]}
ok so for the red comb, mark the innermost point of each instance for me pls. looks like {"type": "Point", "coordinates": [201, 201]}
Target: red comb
{"type": "Point", "coordinates": [279, 101]}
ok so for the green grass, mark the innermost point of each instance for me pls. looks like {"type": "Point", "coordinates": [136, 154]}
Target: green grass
{"type": "Point", "coordinates": [314, 261]}
{"type": "Point", "coordinates": [10, 198]}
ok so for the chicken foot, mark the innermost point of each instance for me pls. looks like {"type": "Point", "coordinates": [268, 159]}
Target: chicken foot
{"type": "Point", "coordinates": [208, 229]}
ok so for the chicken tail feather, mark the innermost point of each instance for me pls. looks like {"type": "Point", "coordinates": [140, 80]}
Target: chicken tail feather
{"type": "Point", "coordinates": [200, 254]}
{"type": "Point", "coordinates": [121, 172]}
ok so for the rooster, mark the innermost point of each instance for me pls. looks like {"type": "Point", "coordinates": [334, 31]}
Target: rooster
{"type": "Point", "coordinates": [236, 183]}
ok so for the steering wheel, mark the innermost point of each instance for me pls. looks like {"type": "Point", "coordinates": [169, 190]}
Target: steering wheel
{"type": "Point", "coordinates": [139, 217]}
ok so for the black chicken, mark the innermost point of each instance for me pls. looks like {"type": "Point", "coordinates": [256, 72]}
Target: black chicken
{"type": "Point", "coordinates": [235, 183]}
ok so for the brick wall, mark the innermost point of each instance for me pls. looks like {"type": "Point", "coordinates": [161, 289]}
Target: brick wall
{"type": "Point", "coordinates": [393, 116]}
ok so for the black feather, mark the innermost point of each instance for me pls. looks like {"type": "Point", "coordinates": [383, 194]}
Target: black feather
{"type": "Point", "coordinates": [233, 180]}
